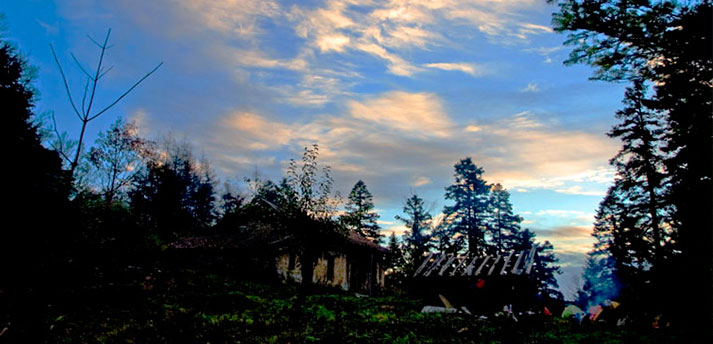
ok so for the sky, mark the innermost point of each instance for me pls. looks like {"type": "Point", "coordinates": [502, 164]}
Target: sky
{"type": "Point", "coordinates": [395, 93]}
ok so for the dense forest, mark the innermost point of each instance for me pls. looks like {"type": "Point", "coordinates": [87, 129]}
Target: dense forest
{"type": "Point", "coordinates": [87, 223]}
{"type": "Point", "coordinates": [653, 229]}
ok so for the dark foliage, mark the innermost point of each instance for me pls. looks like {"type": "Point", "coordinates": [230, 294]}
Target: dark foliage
{"type": "Point", "coordinates": [656, 220]}
{"type": "Point", "coordinates": [216, 306]}
{"type": "Point", "coordinates": [469, 215]}
{"type": "Point", "coordinates": [360, 215]}
{"type": "Point", "coordinates": [34, 239]}
{"type": "Point", "coordinates": [175, 197]}
{"type": "Point", "coordinates": [417, 239]}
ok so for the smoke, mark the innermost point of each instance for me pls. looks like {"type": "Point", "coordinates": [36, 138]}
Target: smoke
{"type": "Point", "coordinates": [600, 282]}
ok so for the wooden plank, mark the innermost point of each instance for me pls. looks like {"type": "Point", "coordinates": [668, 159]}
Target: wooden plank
{"type": "Point", "coordinates": [531, 259]}
{"type": "Point", "coordinates": [461, 263]}
{"type": "Point", "coordinates": [445, 301]}
{"type": "Point", "coordinates": [423, 265]}
{"type": "Point", "coordinates": [447, 265]}
{"type": "Point", "coordinates": [515, 270]}
{"type": "Point", "coordinates": [477, 272]}
{"type": "Point", "coordinates": [469, 270]}
{"type": "Point", "coordinates": [505, 263]}
{"type": "Point", "coordinates": [492, 267]}
{"type": "Point", "coordinates": [435, 265]}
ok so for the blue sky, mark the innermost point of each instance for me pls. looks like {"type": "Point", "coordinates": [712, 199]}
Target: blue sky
{"type": "Point", "coordinates": [394, 93]}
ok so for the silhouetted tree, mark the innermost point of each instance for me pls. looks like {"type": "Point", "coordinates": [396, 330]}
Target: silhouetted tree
{"type": "Point", "coordinates": [469, 215]}
{"type": "Point", "coordinates": [395, 257]}
{"type": "Point", "coordinates": [312, 186]}
{"type": "Point", "coordinates": [503, 222]}
{"type": "Point", "coordinates": [417, 239]}
{"type": "Point", "coordinates": [34, 240]}
{"type": "Point", "coordinates": [84, 109]}
{"type": "Point", "coordinates": [175, 196]}
{"type": "Point", "coordinates": [308, 206]}
{"type": "Point", "coordinates": [546, 268]}
{"type": "Point", "coordinates": [117, 159]}
{"type": "Point", "coordinates": [659, 43]}
{"type": "Point", "coordinates": [360, 215]}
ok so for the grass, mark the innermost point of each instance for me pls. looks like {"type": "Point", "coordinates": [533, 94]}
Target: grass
{"type": "Point", "coordinates": [219, 308]}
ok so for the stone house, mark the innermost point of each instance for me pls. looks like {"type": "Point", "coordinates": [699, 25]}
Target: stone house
{"type": "Point", "coordinates": [355, 264]}
{"type": "Point", "coordinates": [352, 263]}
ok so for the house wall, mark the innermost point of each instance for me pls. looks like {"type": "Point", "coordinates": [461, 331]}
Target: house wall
{"type": "Point", "coordinates": [341, 276]}
{"type": "Point", "coordinates": [282, 264]}
{"type": "Point", "coordinates": [380, 275]}
{"type": "Point", "coordinates": [319, 275]}
{"type": "Point", "coordinates": [341, 273]}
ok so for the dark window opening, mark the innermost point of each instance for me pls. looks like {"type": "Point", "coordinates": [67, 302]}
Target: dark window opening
{"type": "Point", "coordinates": [330, 268]}
{"type": "Point", "coordinates": [291, 261]}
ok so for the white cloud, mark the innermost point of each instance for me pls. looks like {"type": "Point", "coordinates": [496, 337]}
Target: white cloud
{"type": "Point", "coordinates": [420, 181]}
{"type": "Point", "coordinates": [467, 68]}
{"type": "Point", "coordinates": [530, 88]}
{"type": "Point", "coordinates": [397, 65]}
{"type": "Point", "coordinates": [336, 42]}
{"type": "Point", "coordinates": [559, 212]}
{"type": "Point", "coordinates": [235, 17]}
{"type": "Point", "coordinates": [252, 132]}
{"type": "Point", "coordinates": [398, 230]}
{"type": "Point", "coordinates": [419, 114]}
{"type": "Point", "coordinates": [389, 136]}
{"type": "Point", "coordinates": [579, 190]}
{"type": "Point", "coordinates": [141, 118]}
{"type": "Point", "coordinates": [255, 58]}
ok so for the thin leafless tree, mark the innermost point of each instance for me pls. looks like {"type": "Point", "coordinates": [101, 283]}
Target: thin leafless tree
{"type": "Point", "coordinates": [86, 110]}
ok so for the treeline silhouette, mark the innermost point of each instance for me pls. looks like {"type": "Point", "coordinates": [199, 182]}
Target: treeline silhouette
{"type": "Point", "coordinates": [654, 228]}
{"type": "Point", "coordinates": [107, 221]}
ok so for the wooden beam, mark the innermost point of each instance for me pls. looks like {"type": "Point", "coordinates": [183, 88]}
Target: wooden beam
{"type": "Point", "coordinates": [505, 263]}
{"type": "Point", "coordinates": [435, 265]}
{"type": "Point", "coordinates": [469, 270]}
{"type": "Point", "coordinates": [477, 272]}
{"type": "Point", "coordinates": [531, 259]}
{"type": "Point", "coordinates": [461, 263]}
{"type": "Point", "coordinates": [515, 270]}
{"type": "Point", "coordinates": [492, 267]}
{"type": "Point", "coordinates": [423, 265]}
{"type": "Point", "coordinates": [445, 266]}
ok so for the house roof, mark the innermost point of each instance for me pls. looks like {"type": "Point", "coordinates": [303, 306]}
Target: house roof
{"type": "Point", "coordinates": [262, 236]}
{"type": "Point", "coordinates": [358, 239]}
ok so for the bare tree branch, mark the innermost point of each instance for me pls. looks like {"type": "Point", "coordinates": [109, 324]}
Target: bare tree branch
{"type": "Point", "coordinates": [106, 71]}
{"type": "Point", "coordinates": [88, 97]}
{"type": "Point", "coordinates": [127, 92]}
{"type": "Point", "coordinates": [96, 76]}
{"type": "Point", "coordinates": [80, 65]}
{"type": "Point", "coordinates": [59, 138]}
{"type": "Point", "coordinates": [84, 97]}
{"type": "Point", "coordinates": [95, 42]}
{"type": "Point", "coordinates": [66, 85]}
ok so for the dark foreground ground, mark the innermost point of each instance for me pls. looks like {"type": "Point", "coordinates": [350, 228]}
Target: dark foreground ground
{"type": "Point", "coordinates": [193, 307]}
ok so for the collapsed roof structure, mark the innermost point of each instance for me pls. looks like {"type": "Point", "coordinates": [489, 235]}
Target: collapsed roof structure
{"type": "Point", "coordinates": [510, 263]}
{"type": "Point", "coordinates": [481, 283]}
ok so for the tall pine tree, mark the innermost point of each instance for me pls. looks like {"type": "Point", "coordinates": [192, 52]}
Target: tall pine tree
{"type": "Point", "coordinates": [660, 43]}
{"type": "Point", "coordinates": [360, 216]}
{"type": "Point", "coordinates": [469, 214]}
{"type": "Point", "coordinates": [417, 240]}
{"type": "Point", "coordinates": [504, 224]}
